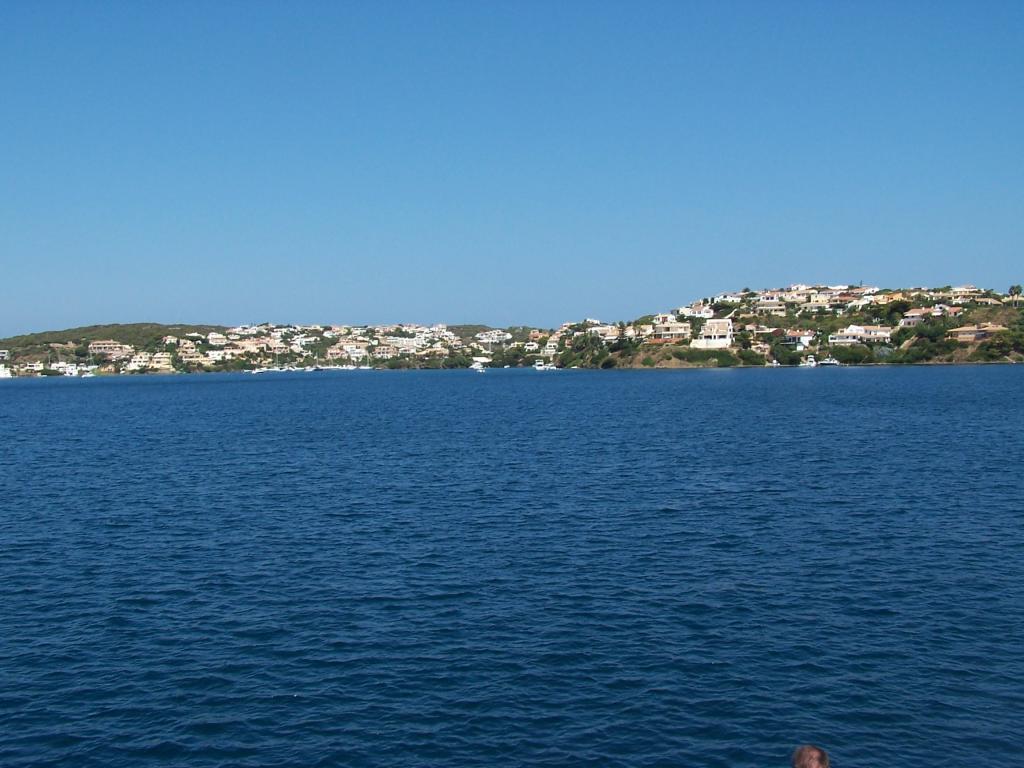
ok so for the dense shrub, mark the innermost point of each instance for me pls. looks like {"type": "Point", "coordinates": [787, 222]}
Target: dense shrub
{"type": "Point", "coordinates": [852, 355]}
{"type": "Point", "coordinates": [722, 358]}
{"type": "Point", "coordinates": [750, 357]}
{"type": "Point", "coordinates": [924, 350]}
{"type": "Point", "coordinates": [785, 355]}
{"type": "Point", "coordinates": [999, 346]}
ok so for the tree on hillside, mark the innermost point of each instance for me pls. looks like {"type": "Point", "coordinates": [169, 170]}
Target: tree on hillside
{"type": "Point", "coordinates": [891, 313]}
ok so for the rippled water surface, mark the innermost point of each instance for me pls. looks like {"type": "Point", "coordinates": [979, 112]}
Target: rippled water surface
{"type": "Point", "coordinates": [689, 568]}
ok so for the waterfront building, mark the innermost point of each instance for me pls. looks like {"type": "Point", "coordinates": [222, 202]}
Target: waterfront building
{"type": "Point", "coordinates": [798, 339]}
{"type": "Point", "coordinates": [861, 334]}
{"type": "Point", "coordinates": [138, 362]}
{"type": "Point", "coordinates": [192, 358]}
{"type": "Point", "coordinates": [972, 333]}
{"type": "Point", "coordinates": [715, 334]}
{"type": "Point", "coordinates": [115, 350]}
{"type": "Point", "coordinates": [161, 361]}
{"type": "Point", "coordinates": [609, 334]}
{"type": "Point", "coordinates": [672, 330]}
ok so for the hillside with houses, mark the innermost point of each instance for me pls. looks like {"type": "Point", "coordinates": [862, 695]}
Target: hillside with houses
{"type": "Point", "coordinates": [795, 325]}
{"type": "Point", "coordinates": [805, 324]}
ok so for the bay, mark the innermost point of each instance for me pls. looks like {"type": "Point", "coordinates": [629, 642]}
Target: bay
{"type": "Point", "coordinates": [630, 568]}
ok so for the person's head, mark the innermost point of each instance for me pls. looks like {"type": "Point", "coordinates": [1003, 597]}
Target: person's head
{"type": "Point", "coordinates": [808, 756]}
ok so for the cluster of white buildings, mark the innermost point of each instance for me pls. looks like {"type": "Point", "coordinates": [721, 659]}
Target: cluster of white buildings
{"type": "Point", "coordinates": [666, 328]}
{"type": "Point", "coordinates": [264, 344]}
{"type": "Point", "coordinates": [710, 323]}
{"type": "Point", "coordinates": [386, 342]}
{"type": "Point", "coordinates": [714, 321]}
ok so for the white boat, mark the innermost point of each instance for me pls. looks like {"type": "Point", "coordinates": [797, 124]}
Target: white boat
{"type": "Point", "coordinates": [478, 367]}
{"type": "Point", "coordinates": [5, 372]}
{"type": "Point", "coordinates": [540, 365]}
{"type": "Point", "coordinates": [830, 361]}
{"type": "Point", "coordinates": [809, 362]}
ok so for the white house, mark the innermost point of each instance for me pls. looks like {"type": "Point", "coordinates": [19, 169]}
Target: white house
{"type": "Point", "coordinates": [716, 334]}
{"type": "Point", "coordinates": [800, 339]}
{"type": "Point", "coordinates": [161, 361]}
{"type": "Point", "coordinates": [139, 362]}
{"type": "Point", "coordinates": [112, 349]}
{"type": "Point", "coordinates": [609, 334]}
{"type": "Point", "coordinates": [642, 331]}
{"type": "Point", "coordinates": [672, 330]}
{"type": "Point", "coordinates": [771, 304]}
{"type": "Point", "coordinates": [495, 336]}
{"type": "Point", "coordinates": [696, 310]}
{"type": "Point", "coordinates": [861, 334]}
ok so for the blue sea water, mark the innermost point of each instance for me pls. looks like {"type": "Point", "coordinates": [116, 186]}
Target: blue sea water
{"type": "Point", "coordinates": [648, 568]}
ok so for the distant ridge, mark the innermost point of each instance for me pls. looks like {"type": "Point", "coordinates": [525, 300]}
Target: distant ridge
{"type": "Point", "coordinates": [135, 334]}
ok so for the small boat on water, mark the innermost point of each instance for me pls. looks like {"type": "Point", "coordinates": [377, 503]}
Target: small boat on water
{"type": "Point", "coordinates": [478, 367]}
{"type": "Point", "coordinates": [809, 362]}
{"type": "Point", "coordinates": [540, 365]}
{"type": "Point", "coordinates": [830, 361]}
{"type": "Point", "coordinates": [5, 372]}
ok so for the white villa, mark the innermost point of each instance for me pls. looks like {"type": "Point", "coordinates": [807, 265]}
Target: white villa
{"type": "Point", "coordinates": [671, 330]}
{"type": "Point", "coordinates": [110, 348]}
{"type": "Point", "coordinates": [716, 334]}
{"type": "Point", "coordinates": [607, 333]}
{"type": "Point", "coordinates": [861, 334]}
{"type": "Point", "coordinates": [696, 310]}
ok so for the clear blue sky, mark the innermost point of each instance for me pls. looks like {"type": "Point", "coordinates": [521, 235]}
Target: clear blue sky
{"type": "Point", "coordinates": [497, 162]}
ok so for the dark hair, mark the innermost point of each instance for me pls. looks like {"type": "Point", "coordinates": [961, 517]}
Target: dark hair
{"type": "Point", "coordinates": [809, 756]}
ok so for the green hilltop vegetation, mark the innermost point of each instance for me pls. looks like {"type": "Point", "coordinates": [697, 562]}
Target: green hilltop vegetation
{"type": "Point", "coordinates": [138, 335]}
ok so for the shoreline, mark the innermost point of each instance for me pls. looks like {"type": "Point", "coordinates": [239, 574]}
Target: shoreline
{"type": "Point", "coordinates": [619, 369]}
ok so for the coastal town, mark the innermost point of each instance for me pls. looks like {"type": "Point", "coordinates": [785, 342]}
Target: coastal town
{"type": "Point", "coordinates": [798, 325]}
